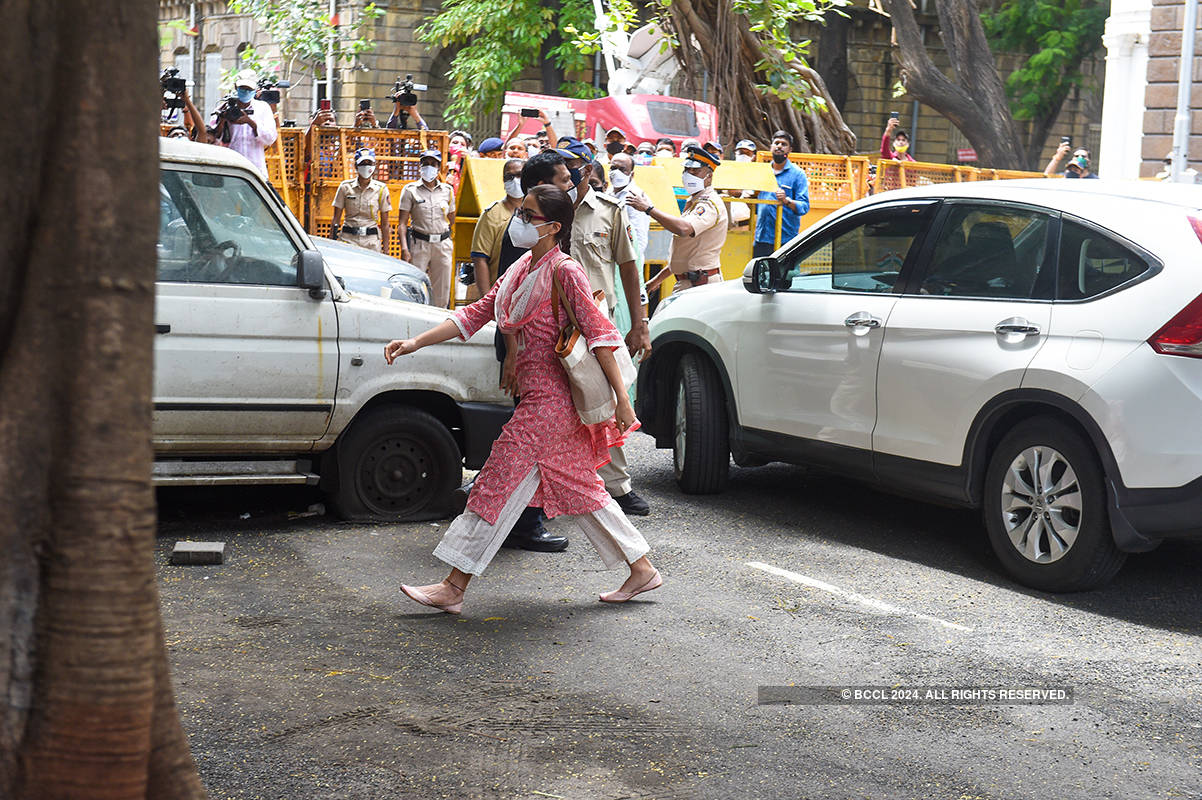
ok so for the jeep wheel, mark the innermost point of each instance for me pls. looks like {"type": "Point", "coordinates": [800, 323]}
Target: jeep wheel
{"type": "Point", "coordinates": [700, 443]}
{"type": "Point", "coordinates": [1045, 509]}
{"type": "Point", "coordinates": [396, 464]}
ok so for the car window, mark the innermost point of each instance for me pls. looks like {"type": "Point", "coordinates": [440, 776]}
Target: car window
{"type": "Point", "coordinates": [865, 257]}
{"type": "Point", "coordinates": [1092, 263]}
{"type": "Point", "coordinates": [990, 251]}
{"type": "Point", "coordinates": [218, 229]}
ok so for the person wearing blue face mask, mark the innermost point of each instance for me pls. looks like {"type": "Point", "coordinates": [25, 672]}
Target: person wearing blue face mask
{"type": "Point", "coordinates": [253, 132]}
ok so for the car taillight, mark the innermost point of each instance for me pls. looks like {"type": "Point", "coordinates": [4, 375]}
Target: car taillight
{"type": "Point", "coordinates": [1182, 335]}
{"type": "Point", "coordinates": [1196, 224]}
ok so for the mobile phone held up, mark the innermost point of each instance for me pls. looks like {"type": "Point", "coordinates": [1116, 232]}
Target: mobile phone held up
{"type": "Point", "coordinates": [364, 105]}
{"type": "Point", "coordinates": [530, 112]}
{"type": "Point", "coordinates": [323, 105]}
{"type": "Point", "coordinates": [894, 115]}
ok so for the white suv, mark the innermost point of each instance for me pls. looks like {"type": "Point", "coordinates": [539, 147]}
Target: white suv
{"type": "Point", "coordinates": [1028, 347]}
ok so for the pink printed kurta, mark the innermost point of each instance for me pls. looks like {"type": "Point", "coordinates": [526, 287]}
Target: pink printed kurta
{"type": "Point", "coordinates": [545, 431]}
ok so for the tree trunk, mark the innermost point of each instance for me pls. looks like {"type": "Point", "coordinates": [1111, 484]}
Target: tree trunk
{"type": "Point", "coordinates": [86, 704]}
{"type": "Point", "coordinates": [976, 100]}
{"type": "Point", "coordinates": [714, 39]}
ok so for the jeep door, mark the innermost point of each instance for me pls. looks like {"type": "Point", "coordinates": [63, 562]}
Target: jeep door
{"type": "Point", "coordinates": [806, 373]}
{"type": "Point", "coordinates": [244, 358]}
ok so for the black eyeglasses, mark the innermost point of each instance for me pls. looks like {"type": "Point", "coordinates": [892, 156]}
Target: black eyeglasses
{"type": "Point", "coordinates": [527, 215]}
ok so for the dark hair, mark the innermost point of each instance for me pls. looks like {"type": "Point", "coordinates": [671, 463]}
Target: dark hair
{"type": "Point", "coordinates": [599, 170]}
{"type": "Point", "coordinates": [901, 132]}
{"type": "Point", "coordinates": [556, 207]}
{"type": "Point", "coordinates": [665, 140]}
{"type": "Point", "coordinates": [509, 162]}
{"type": "Point", "coordinates": [788, 137]}
{"type": "Point", "coordinates": [540, 168]}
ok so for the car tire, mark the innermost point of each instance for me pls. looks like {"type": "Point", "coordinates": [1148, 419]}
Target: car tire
{"type": "Point", "coordinates": [701, 439]}
{"type": "Point", "coordinates": [1045, 509]}
{"type": "Point", "coordinates": [398, 464]}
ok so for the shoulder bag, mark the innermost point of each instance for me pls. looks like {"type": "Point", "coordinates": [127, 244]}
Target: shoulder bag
{"type": "Point", "coordinates": [592, 395]}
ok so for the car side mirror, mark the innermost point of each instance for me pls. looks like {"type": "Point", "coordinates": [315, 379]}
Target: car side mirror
{"type": "Point", "coordinates": [762, 275]}
{"type": "Point", "coordinates": [311, 273]}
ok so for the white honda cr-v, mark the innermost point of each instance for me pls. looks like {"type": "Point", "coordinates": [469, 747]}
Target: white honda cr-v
{"type": "Point", "coordinates": [1031, 348]}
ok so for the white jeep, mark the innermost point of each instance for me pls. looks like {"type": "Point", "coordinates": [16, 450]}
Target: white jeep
{"type": "Point", "coordinates": [268, 371]}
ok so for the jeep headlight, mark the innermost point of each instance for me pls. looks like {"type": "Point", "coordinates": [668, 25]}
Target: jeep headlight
{"type": "Point", "coordinates": [406, 287]}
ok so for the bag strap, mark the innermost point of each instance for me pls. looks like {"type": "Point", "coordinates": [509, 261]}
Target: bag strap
{"type": "Point", "coordinates": [557, 299]}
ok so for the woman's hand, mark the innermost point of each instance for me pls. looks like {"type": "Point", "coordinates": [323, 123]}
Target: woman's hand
{"type": "Point", "coordinates": [624, 416]}
{"type": "Point", "coordinates": [399, 347]}
{"type": "Point", "coordinates": [509, 375]}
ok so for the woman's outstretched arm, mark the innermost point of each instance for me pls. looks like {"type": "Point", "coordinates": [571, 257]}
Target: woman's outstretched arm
{"type": "Point", "coordinates": [447, 329]}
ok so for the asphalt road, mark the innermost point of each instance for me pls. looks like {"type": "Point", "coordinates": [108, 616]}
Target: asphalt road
{"type": "Point", "coordinates": [302, 672]}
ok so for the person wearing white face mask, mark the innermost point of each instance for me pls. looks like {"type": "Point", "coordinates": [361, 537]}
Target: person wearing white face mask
{"type": "Point", "coordinates": [363, 200]}
{"type": "Point", "coordinates": [253, 132]}
{"type": "Point", "coordinates": [489, 238]}
{"type": "Point", "coordinates": [430, 204]}
{"type": "Point", "coordinates": [699, 233]}
{"type": "Point", "coordinates": [745, 151]}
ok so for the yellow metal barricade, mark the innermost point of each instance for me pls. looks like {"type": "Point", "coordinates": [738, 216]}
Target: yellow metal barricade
{"type": "Point", "coordinates": [286, 169]}
{"type": "Point", "coordinates": [332, 161]}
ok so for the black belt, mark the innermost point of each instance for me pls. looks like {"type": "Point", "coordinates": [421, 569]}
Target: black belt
{"type": "Point", "coordinates": [360, 231]}
{"type": "Point", "coordinates": [431, 237]}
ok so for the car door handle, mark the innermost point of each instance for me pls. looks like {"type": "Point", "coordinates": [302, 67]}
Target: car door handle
{"type": "Point", "coordinates": [862, 320]}
{"type": "Point", "coordinates": [1016, 325]}
{"type": "Point", "coordinates": [158, 328]}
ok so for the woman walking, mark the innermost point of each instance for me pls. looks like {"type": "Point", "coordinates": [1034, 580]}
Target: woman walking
{"type": "Point", "coordinates": [544, 456]}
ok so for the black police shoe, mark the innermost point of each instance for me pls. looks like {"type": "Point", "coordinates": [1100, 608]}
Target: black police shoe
{"type": "Point", "coordinates": [459, 498]}
{"type": "Point", "coordinates": [633, 505]}
{"type": "Point", "coordinates": [538, 539]}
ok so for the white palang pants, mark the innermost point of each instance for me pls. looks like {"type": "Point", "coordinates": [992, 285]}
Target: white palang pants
{"type": "Point", "coordinates": [470, 543]}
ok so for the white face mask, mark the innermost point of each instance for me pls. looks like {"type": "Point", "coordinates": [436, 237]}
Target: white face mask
{"type": "Point", "coordinates": [691, 183]}
{"type": "Point", "coordinates": [618, 178]}
{"type": "Point", "coordinates": [513, 187]}
{"type": "Point", "coordinates": [524, 234]}
{"type": "Point", "coordinates": [664, 154]}
{"type": "Point", "coordinates": [572, 194]}
{"type": "Point", "coordinates": [366, 170]}
{"type": "Point", "coordinates": [429, 173]}
{"type": "Point", "coordinates": [742, 157]}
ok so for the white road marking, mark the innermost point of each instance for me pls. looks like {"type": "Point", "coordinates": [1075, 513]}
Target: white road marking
{"type": "Point", "coordinates": [870, 602]}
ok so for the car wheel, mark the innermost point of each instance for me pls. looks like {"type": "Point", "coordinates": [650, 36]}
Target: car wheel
{"type": "Point", "coordinates": [396, 464]}
{"type": "Point", "coordinates": [700, 441]}
{"type": "Point", "coordinates": [1045, 509]}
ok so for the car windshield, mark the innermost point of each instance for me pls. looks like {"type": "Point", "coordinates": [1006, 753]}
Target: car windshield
{"type": "Point", "coordinates": [219, 229]}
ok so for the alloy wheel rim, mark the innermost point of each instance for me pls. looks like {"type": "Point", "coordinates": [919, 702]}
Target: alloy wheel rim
{"type": "Point", "coordinates": [1041, 504]}
{"type": "Point", "coordinates": [680, 428]}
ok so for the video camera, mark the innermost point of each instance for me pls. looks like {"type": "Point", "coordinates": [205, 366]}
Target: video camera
{"type": "Point", "coordinates": [404, 91]}
{"type": "Point", "coordinates": [269, 90]}
{"type": "Point", "coordinates": [231, 110]}
{"type": "Point", "coordinates": [173, 88]}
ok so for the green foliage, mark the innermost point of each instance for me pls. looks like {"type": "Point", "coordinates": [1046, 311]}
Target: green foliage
{"type": "Point", "coordinates": [503, 38]}
{"type": "Point", "coordinates": [1055, 36]}
{"type": "Point", "coordinates": [304, 31]}
{"type": "Point", "coordinates": [781, 57]}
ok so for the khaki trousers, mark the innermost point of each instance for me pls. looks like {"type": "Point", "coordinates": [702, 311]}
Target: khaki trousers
{"type": "Point", "coordinates": [435, 259]}
{"type": "Point", "coordinates": [616, 474]}
{"type": "Point", "coordinates": [369, 242]}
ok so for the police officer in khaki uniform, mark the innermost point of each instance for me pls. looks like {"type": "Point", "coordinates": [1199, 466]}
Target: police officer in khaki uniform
{"type": "Point", "coordinates": [427, 211]}
{"type": "Point", "coordinates": [699, 233]}
{"type": "Point", "coordinates": [601, 238]}
{"type": "Point", "coordinates": [364, 200]}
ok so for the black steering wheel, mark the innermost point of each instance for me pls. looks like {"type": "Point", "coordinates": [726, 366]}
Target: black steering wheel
{"type": "Point", "coordinates": [218, 261]}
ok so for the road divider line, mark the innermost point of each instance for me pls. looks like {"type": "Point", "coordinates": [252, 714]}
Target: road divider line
{"type": "Point", "coordinates": [870, 602]}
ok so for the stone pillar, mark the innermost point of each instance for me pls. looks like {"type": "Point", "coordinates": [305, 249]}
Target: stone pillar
{"type": "Point", "coordinates": [1128, 30]}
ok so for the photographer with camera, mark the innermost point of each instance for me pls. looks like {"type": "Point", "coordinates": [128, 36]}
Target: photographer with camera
{"type": "Point", "coordinates": [246, 125]}
{"type": "Point", "coordinates": [175, 97]}
{"type": "Point", "coordinates": [404, 102]}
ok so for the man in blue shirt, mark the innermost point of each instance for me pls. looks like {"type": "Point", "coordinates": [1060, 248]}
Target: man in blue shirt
{"type": "Point", "coordinates": [793, 192]}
